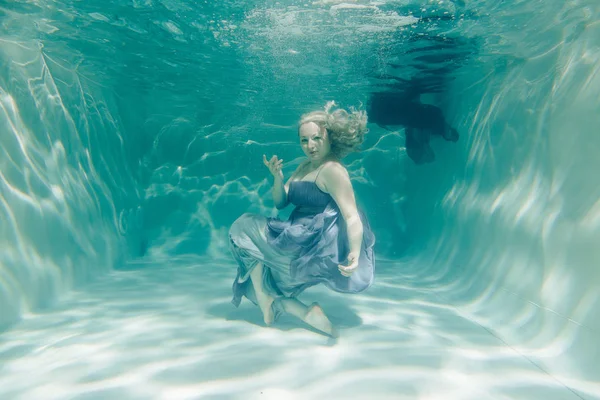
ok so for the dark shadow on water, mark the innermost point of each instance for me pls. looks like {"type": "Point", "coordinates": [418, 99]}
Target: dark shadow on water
{"type": "Point", "coordinates": [425, 62]}
{"type": "Point", "coordinates": [421, 122]}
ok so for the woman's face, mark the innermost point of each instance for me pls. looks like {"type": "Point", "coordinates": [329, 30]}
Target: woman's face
{"type": "Point", "coordinates": [314, 141]}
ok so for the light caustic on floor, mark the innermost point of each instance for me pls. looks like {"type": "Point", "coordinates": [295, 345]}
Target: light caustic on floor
{"type": "Point", "coordinates": [169, 331]}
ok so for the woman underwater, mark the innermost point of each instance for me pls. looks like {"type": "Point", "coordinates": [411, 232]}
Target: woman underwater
{"type": "Point", "coordinates": [326, 239]}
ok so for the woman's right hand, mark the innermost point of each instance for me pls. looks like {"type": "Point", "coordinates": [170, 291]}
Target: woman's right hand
{"type": "Point", "coordinates": [275, 166]}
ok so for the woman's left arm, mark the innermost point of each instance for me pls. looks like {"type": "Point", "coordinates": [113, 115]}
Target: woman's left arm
{"type": "Point", "coordinates": [337, 183]}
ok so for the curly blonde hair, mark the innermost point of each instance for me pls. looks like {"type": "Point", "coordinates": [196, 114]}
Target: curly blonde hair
{"type": "Point", "coordinates": [346, 129]}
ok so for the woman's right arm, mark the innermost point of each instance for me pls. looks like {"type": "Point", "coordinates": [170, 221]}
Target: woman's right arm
{"type": "Point", "coordinates": [280, 189]}
{"type": "Point", "coordinates": [279, 192]}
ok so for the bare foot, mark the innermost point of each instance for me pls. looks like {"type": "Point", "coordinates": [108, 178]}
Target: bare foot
{"type": "Point", "coordinates": [315, 317]}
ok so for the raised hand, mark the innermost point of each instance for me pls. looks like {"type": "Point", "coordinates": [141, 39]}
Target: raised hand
{"type": "Point", "coordinates": [275, 166]}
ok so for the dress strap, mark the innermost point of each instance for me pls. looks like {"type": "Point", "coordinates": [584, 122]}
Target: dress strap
{"type": "Point", "coordinates": [319, 171]}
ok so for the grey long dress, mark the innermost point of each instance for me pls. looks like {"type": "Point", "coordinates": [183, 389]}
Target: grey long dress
{"type": "Point", "coordinates": [299, 252]}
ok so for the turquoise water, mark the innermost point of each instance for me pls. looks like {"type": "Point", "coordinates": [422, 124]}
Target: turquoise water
{"type": "Point", "coordinates": [131, 137]}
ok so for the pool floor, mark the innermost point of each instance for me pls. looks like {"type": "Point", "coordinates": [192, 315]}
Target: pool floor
{"type": "Point", "coordinates": [167, 330]}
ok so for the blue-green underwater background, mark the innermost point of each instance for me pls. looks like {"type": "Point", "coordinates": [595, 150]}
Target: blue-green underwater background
{"type": "Point", "coordinates": [132, 135]}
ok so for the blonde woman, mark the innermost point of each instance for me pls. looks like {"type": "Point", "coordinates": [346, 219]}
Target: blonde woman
{"type": "Point", "coordinates": [326, 239]}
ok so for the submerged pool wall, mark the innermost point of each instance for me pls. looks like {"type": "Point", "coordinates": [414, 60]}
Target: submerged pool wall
{"type": "Point", "coordinates": [105, 159]}
{"type": "Point", "coordinates": [513, 225]}
{"type": "Point", "coordinates": [65, 176]}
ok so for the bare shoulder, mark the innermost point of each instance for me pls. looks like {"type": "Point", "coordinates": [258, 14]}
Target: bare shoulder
{"type": "Point", "coordinates": [335, 169]}
{"type": "Point", "coordinates": [334, 175]}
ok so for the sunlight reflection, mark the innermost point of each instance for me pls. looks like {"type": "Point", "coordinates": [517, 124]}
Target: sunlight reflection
{"type": "Point", "coordinates": [515, 253]}
{"type": "Point", "coordinates": [149, 332]}
{"type": "Point", "coordinates": [57, 218]}
{"type": "Point", "coordinates": [502, 303]}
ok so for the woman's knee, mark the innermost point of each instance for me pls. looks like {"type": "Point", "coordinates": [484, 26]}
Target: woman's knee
{"type": "Point", "coordinates": [241, 224]}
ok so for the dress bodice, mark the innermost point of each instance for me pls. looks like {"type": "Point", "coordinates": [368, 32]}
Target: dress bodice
{"type": "Point", "coordinates": [307, 194]}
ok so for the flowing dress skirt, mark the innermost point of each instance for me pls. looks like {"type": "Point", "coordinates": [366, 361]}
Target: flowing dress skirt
{"type": "Point", "coordinates": [298, 253]}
